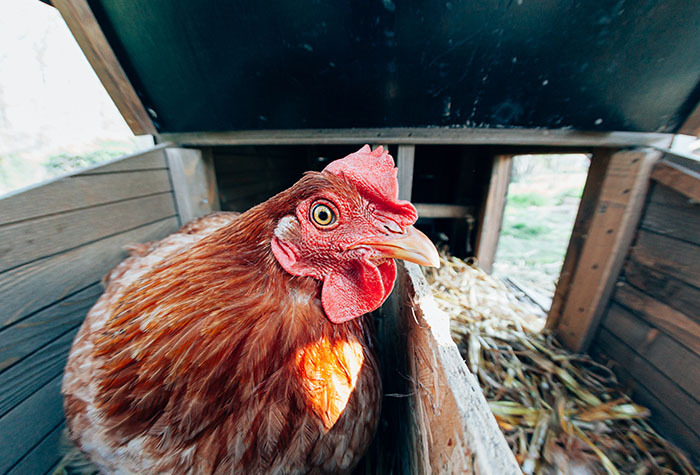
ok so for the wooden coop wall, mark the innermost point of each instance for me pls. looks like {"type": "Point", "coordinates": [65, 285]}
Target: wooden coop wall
{"type": "Point", "coordinates": [651, 326]}
{"type": "Point", "coordinates": [56, 242]}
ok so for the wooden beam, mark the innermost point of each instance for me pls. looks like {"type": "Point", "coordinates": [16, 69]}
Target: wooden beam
{"type": "Point", "coordinates": [586, 211]}
{"type": "Point", "coordinates": [405, 161]}
{"type": "Point", "coordinates": [681, 179]}
{"type": "Point", "coordinates": [434, 210]}
{"type": "Point", "coordinates": [424, 135]}
{"type": "Point", "coordinates": [87, 32]}
{"type": "Point", "coordinates": [492, 215]}
{"type": "Point", "coordinates": [619, 205]}
{"type": "Point", "coordinates": [194, 183]}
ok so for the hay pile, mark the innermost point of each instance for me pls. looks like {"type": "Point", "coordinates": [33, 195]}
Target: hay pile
{"type": "Point", "coordinates": [560, 412]}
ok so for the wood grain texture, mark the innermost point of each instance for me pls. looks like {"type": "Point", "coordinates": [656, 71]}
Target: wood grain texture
{"type": "Point", "coordinates": [664, 288]}
{"type": "Point", "coordinates": [674, 323]}
{"type": "Point", "coordinates": [43, 457]}
{"type": "Point", "coordinates": [681, 179]}
{"type": "Point", "coordinates": [452, 423]}
{"type": "Point", "coordinates": [23, 379]}
{"type": "Point", "coordinates": [492, 213]}
{"type": "Point", "coordinates": [82, 191]}
{"type": "Point", "coordinates": [89, 264]}
{"type": "Point", "coordinates": [611, 230]}
{"type": "Point", "coordinates": [673, 257]}
{"type": "Point", "coordinates": [432, 135]}
{"type": "Point", "coordinates": [660, 350]}
{"type": "Point", "coordinates": [30, 240]}
{"type": "Point", "coordinates": [151, 159]}
{"type": "Point", "coordinates": [680, 221]}
{"type": "Point", "coordinates": [673, 412]}
{"type": "Point", "coordinates": [404, 162]}
{"type": "Point", "coordinates": [433, 210]}
{"type": "Point", "coordinates": [579, 234]}
{"type": "Point", "coordinates": [29, 423]}
{"type": "Point", "coordinates": [87, 32]}
{"type": "Point", "coordinates": [28, 335]}
{"type": "Point", "coordinates": [192, 187]}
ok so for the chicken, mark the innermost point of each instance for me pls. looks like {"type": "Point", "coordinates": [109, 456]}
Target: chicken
{"type": "Point", "coordinates": [241, 344]}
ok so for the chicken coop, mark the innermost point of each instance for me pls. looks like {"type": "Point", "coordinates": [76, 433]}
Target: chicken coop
{"type": "Point", "coordinates": [242, 99]}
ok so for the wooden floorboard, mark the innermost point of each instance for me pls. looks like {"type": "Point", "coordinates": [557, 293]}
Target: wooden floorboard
{"type": "Point", "coordinates": [44, 456]}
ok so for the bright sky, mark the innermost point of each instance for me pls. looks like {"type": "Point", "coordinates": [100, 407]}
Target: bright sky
{"type": "Point", "coordinates": [51, 101]}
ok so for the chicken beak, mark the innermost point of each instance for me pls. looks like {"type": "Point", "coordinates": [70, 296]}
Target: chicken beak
{"type": "Point", "coordinates": [412, 246]}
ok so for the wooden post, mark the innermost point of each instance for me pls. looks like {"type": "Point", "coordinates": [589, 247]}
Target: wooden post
{"type": "Point", "coordinates": [89, 35]}
{"type": "Point", "coordinates": [405, 162]}
{"type": "Point", "coordinates": [619, 199]}
{"type": "Point", "coordinates": [194, 183]}
{"type": "Point", "coordinates": [492, 215]}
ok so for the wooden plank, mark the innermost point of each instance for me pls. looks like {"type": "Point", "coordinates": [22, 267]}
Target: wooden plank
{"type": "Point", "coordinates": [584, 216]}
{"type": "Point", "coordinates": [210, 177]}
{"type": "Point", "coordinates": [492, 213]}
{"type": "Point", "coordinates": [82, 191]}
{"type": "Point", "coordinates": [44, 456]}
{"type": "Point", "coordinates": [671, 256]}
{"type": "Point", "coordinates": [27, 241]}
{"type": "Point", "coordinates": [610, 233]}
{"type": "Point", "coordinates": [422, 135]}
{"type": "Point", "coordinates": [193, 191]}
{"type": "Point", "coordinates": [28, 423]}
{"type": "Point", "coordinates": [673, 412]}
{"type": "Point", "coordinates": [151, 159]}
{"type": "Point", "coordinates": [660, 350]}
{"type": "Point", "coordinates": [453, 427]}
{"type": "Point", "coordinates": [23, 379]}
{"type": "Point", "coordinates": [664, 288]}
{"type": "Point", "coordinates": [34, 286]}
{"type": "Point", "coordinates": [435, 210]}
{"type": "Point", "coordinates": [404, 162]}
{"type": "Point", "coordinates": [678, 222]}
{"type": "Point", "coordinates": [87, 32]}
{"type": "Point", "coordinates": [679, 178]}
{"type": "Point", "coordinates": [28, 335]}
{"type": "Point", "coordinates": [676, 324]}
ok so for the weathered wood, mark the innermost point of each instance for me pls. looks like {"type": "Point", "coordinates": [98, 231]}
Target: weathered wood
{"type": "Point", "coordinates": [584, 216]}
{"type": "Point", "coordinates": [191, 186]}
{"type": "Point", "coordinates": [676, 324]}
{"type": "Point", "coordinates": [90, 263]}
{"type": "Point", "coordinates": [42, 457]}
{"type": "Point", "coordinates": [210, 178]}
{"type": "Point", "coordinates": [656, 347]}
{"type": "Point", "coordinates": [28, 423]}
{"type": "Point", "coordinates": [492, 211]}
{"type": "Point", "coordinates": [82, 191]}
{"type": "Point", "coordinates": [87, 32]}
{"type": "Point", "coordinates": [24, 378]}
{"type": "Point", "coordinates": [679, 178]}
{"type": "Point", "coordinates": [673, 411]}
{"type": "Point", "coordinates": [433, 210]}
{"type": "Point", "coordinates": [671, 256]}
{"type": "Point", "coordinates": [28, 335]}
{"type": "Point", "coordinates": [454, 429]}
{"type": "Point", "coordinates": [29, 240]}
{"type": "Point", "coordinates": [672, 214]}
{"type": "Point", "coordinates": [691, 126]}
{"type": "Point", "coordinates": [424, 135]}
{"type": "Point", "coordinates": [611, 230]}
{"type": "Point", "coordinates": [151, 159]}
{"type": "Point", "coordinates": [664, 288]}
{"type": "Point", "coordinates": [404, 162]}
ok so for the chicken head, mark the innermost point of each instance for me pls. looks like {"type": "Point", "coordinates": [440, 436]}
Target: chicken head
{"type": "Point", "coordinates": [347, 233]}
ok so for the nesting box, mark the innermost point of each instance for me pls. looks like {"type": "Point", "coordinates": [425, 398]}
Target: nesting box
{"type": "Point", "coordinates": [243, 99]}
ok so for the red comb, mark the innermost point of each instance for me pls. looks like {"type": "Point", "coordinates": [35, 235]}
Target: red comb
{"type": "Point", "coordinates": [374, 175]}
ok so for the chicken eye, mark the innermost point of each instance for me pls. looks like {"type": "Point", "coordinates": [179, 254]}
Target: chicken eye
{"type": "Point", "coordinates": [322, 215]}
